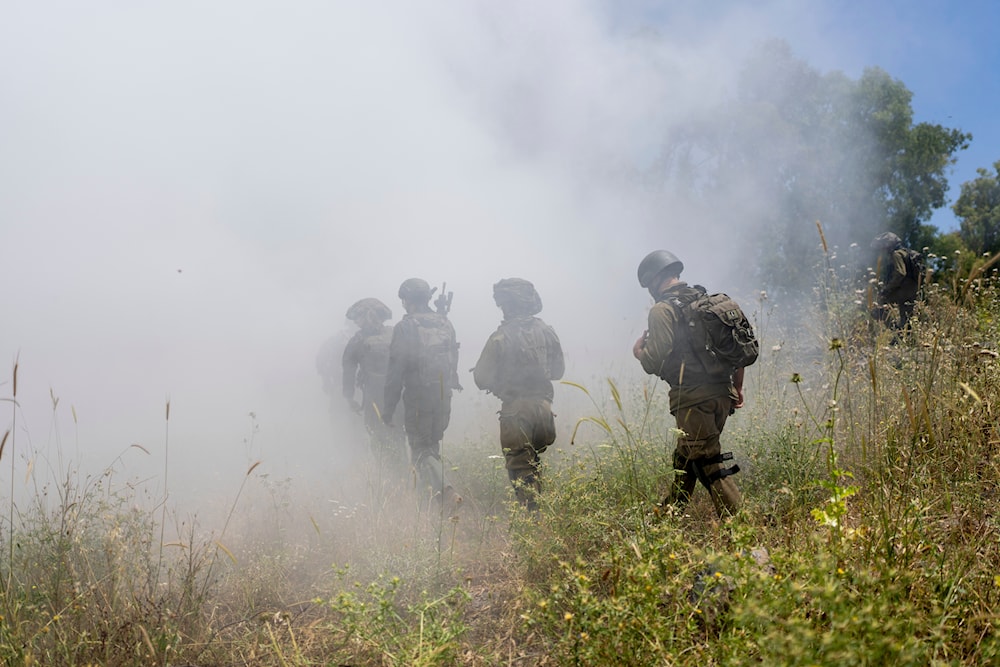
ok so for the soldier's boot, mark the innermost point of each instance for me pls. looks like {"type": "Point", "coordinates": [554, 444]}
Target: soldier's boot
{"type": "Point", "coordinates": [715, 475]}
{"type": "Point", "coordinates": [526, 488]}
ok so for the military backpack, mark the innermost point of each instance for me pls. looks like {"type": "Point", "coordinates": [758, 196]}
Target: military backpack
{"type": "Point", "coordinates": [721, 336]}
{"type": "Point", "coordinates": [438, 350]}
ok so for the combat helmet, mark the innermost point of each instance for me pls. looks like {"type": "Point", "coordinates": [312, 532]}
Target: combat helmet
{"type": "Point", "coordinates": [887, 241]}
{"type": "Point", "coordinates": [415, 289]}
{"type": "Point", "coordinates": [369, 306]}
{"type": "Point", "coordinates": [517, 295]}
{"type": "Point", "coordinates": [655, 262]}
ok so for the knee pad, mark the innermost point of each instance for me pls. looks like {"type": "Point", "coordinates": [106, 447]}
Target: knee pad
{"type": "Point", "coordinates": [716, 475]}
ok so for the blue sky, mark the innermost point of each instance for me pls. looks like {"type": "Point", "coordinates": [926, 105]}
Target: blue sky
{"type": "Point", "coordinates": [947, 54]}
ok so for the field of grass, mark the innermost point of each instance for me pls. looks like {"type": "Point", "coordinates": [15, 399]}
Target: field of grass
{"type": "Point", "coordinates": [870, 534]}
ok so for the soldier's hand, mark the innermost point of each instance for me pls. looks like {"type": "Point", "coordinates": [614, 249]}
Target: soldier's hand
{"type": "Point", "coordinates": [640, 345]}
{"type": "Point", "coordinates": [738, 403]}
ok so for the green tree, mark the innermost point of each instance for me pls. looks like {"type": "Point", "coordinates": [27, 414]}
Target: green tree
{"type": "Point", "coordinates": [796, 146]}
{"type": "Point", "coordinates": [978, 209]}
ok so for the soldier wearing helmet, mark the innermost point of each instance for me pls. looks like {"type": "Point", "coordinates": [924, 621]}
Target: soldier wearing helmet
{"type": "Point", "coordinates": [900, 273]}
{"type": "Point", "coordinates": [518, 364]}
{"type": "Point", "coordinates": [365, 365]}
{"type": "Point", "coordinates": [423, 372]}
{"type": "Point", "coordinates": [701, 400]}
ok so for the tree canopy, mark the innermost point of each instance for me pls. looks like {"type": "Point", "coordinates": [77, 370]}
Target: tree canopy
{"type": "Point", "coordinates": [795, 146]}
{"type": "Point", "coordinates": [978, 210]}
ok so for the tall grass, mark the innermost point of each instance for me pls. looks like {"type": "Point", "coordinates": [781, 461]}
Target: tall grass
{"type": "Point", "coordinates": [869, 534]}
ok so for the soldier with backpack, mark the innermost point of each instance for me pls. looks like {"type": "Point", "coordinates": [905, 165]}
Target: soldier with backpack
{"type": "Point", "coordinates": [900, 276]}
{"type": "Point", "coordinates": [518, 364]}
{"type": "Point", "coordinates": [699, 344]}
{"type": "Point", "coordinates": [364, 363]}
{"type": "Point", "coordinates": [423, 372]}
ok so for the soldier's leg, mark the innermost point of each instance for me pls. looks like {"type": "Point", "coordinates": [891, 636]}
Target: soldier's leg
{"type": "Point", "coordinates": [520, 454]}
{"type": "Point", "coordinates": [387, 441]}
{"type": "Point", "coordinates": [701, 444]}
{"type": "Point", "coordinates": [424, 447]}
{"type": "Point", "coordinates": [684, 480]}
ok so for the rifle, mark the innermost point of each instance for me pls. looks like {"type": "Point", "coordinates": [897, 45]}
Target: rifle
{"type": "Point", "coordinates": [443, 303]}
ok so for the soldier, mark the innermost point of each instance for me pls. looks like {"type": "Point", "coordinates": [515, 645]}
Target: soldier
{"type": "Point", "coordinates": [700, 399]}
{"type": "Point", "coordinates": [365, 363]}
{"type": "Point", "coordinates": [518, 364]}
{"type": "Point", "coordinates": [900, 276]}
{"type": "Point", "coordinates": [423, 371]}
{"type": "Point", "coordinates": [328, 365]}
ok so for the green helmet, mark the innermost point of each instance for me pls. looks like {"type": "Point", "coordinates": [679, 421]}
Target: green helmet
{"type": "Point", "coordinates": [887, 241]}
{"type": "Point", "coordinates": [415, 289]}
{"type": "Point", "coordinates": [367, 306]}
{"type": "Point", "coordinates": [654, 263]}
{"type": "Point", "coordinates": [518, 295]}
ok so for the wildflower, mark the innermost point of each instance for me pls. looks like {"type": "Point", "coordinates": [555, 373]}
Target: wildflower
{"type": "Point", "coordinates": [796, 378]}
{"type": "Point", "coordinates": [584, 636]}
{"type": "Point", "coordinates": [543, 604]}
{"type": "Point", "coordinates": [836, 344]}
{"type": "Point", "coordinates": [776, 348]}
{"type": "Point", "coordinates": [568, 616]}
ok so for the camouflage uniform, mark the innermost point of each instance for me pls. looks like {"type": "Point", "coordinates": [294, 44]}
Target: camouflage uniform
{"type": "Point", "coordinates": [365, 363]}
{"type": "Point", "coordinates": [423, 372]}
{"type": "Point", "coordinates": [518, 364]}
{"type": "Point", "coordinates": [701, 402]}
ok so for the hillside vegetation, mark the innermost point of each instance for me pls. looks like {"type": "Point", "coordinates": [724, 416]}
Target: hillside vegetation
{"type": "Point", "coordinates": [870, 533]}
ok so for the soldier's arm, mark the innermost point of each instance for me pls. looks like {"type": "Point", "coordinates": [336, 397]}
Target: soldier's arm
{"type": "Point", "coordinates": [398, 356]}
{"type": "Point", "coordinates": [659, 342]}
{"type": "Point", "coordinates": [738, 386]}
{"type": "Point", "coordinates": [350, 362]}
{"type": "Point", "coordinates": [486, 372]}
{"type": "Point", "coordinates": [557, 364]}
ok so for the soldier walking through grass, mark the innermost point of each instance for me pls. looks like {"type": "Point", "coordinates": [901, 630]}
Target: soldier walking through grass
{"type": "Point", "coordinates": [703, 393]}
{"type": "Point", "coordinates": [900, 274]}
{"type": "Point", "coordinates": [365, 365]}
{"type": "Point", "coordinates": [423, 372]}
{"type": "Point", "coordinates": [518, 364]}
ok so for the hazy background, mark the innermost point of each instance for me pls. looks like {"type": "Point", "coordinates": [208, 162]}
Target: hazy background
{"type": "Point", "coordinates": [192, 194]}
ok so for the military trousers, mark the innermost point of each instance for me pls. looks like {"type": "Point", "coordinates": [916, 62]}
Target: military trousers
{"type": "Point", "coordinates": [427, 412]}
{"type": "Point", "coordinates": [527, 428]}
{"type": "Point", "coordinates": [698, 456]}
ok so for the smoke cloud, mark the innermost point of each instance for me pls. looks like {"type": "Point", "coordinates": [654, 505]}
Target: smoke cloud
{"type": "Point", "coordinates": [192, 194]}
